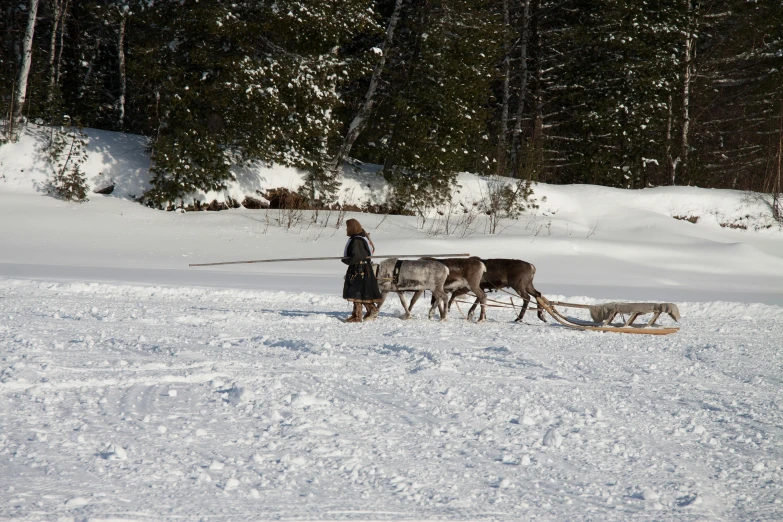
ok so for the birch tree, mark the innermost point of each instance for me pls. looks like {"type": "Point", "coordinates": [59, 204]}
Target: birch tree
{"type": "Point", "coordinates": [268, 94]}
{"type": "Point", "coordinates": [432, 122]}
{"type": "Point", "coordinates": [359, 121]}
{"type": "Point", "coordinates": [24, 70]}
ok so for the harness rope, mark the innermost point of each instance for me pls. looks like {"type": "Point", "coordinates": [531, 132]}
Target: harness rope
{"type": "Point", "coordinates": [501, 305]}
{"type": "Point", "coordinates": [460, 310]}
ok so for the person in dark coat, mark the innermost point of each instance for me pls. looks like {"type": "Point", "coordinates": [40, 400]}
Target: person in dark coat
{"type": "Point", "coordinates": [361, 286]}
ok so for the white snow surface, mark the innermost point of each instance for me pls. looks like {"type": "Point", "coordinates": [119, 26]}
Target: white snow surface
{"type": "Point", "coordinates": [135, 387]}
{"type": "Point", "coordinates": [584, 240]}
{"type": "Point", "coordinates": [282, 411]}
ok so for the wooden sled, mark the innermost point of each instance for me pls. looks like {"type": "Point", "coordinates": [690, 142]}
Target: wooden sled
{"type": "Point", "coordinates": [549, 307]}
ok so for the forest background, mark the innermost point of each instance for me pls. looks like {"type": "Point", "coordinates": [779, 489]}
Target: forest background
{"type": "Point", "coordinates": [622, 93]}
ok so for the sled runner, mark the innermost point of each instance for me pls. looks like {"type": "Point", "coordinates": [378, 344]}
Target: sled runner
{"type": "Point", "coordinates": [606, 326]}
{"type": "Point", "coordinates": [596, 326]}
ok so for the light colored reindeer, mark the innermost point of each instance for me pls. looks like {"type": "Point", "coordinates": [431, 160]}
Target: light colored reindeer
{"type": "Point", "coordinates": [412, 276]}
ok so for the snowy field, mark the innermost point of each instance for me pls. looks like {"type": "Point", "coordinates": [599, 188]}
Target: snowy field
{"type": "Point", "coordinates": [134, 387]}
{"type": "Point", "coordinates": [134, 402]}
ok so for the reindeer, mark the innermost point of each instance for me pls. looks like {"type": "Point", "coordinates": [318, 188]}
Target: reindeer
{"type": "Point", "coordinates": [507, 273]}
{"type": "Point", "coordinates": [417, 275]}
{"type": "Point", "coordinates": [464, 274]}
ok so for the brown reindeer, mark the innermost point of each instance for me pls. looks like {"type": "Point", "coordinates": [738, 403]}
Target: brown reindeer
{"type": "Point", "coordinates": [464, 274]}
{"type": "Point", "coordinates": [507, 273]}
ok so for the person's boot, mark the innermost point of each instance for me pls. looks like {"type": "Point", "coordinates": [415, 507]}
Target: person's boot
{"type": "Point", "coordinates": [356, 316]}
{"type": "Point", "coordinates": [372, 311]}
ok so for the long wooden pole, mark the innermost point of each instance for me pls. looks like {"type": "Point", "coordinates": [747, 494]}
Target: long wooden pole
{"type": "Point", "coordinates": [318, 259]}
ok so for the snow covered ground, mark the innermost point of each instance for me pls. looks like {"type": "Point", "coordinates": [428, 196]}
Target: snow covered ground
{"type": "Point", "coordinates": [135, 387]}
{"type": "Point", "coordinates": [585, 240]}
{"type": "Point", "coordinates": [133, 402]}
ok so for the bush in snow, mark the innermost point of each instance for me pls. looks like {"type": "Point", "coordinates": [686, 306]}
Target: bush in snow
{"type": "Point", "coordinates": [504, 200]}
{"type": "Point", "coordinates": [66, 153]}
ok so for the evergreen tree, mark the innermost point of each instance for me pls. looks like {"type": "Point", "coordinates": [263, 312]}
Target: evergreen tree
{"type": "Point", "coordinates": [66, 154]}
{"type": "Point", "coordinates": [610, 110]}
{"type": "Point", "coordinates": [613, 92]}
{"type": "Point", "coordinates": [737, 98]}
{"type": "Point", "coordinates": [268, 94]}
{"type": "Point", "coordinates": [431, 119]}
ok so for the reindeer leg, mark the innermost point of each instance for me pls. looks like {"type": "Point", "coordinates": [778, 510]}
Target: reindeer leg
{"type": "Point", "coordinates": [455, 294]}
{"type": "Point", "coordinates": [473, 308]}
{"type": "Point", "coordinates": [443, 298]}
{"type": "Point", "coordinates": [383, 300]}
{"type": "Point", "coordinates": [442, 307]}
{"type": "Point", "coordinates": [541, 314]}
{"type": "Point", "coordinates": [525, 303]}
{"type": "Point", "coordinates": [415, 298]}
{"type": "Point", "coordinates": [481, 297]}
{"type": "Point", "coordinates": [433, 304]}
{"type": "Point", "coordinates": [407, 314]}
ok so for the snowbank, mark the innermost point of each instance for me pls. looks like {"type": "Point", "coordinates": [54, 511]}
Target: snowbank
{"type": "Point", "coordinates": [122, 159]}
{"type": "Point", "coordinates": [588, 240]}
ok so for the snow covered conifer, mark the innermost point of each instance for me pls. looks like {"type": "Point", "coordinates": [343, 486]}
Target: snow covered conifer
{"type": "Point", "coordinates": [619, 96]}
{"type": "Point", "coordinates": [431, 120]}
{"type": "Point", "coordinates": [247, 80]}
{"type": "Point", "coordinates": [66, 153]}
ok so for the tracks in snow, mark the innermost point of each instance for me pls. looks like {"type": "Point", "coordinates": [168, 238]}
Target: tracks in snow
{"type": "Point", "coordinates": [262, 405]}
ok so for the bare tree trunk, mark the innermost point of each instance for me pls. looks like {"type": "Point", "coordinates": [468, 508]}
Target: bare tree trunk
{"type": "Point", "coordinates": [62, 35]}
{"type": "Point", "coordinates": [90, 65]}
{"type": "Point", "coordinates": [671, 166]}
{"type": "Point", "coordinates": [538, 95]}
{"type": "Point", "coordinates": [57, 6]}
{"type": "Point", "coordinates": [24, 70]}
{"type": "Point", "coordinates": [360, 120]}
{"type": "Point", "coordinates": [503, 132]}
{"type": "Point", "coordinates": [516, 135]}
{"type": "Point", "coordinates": [121, 59]}
{"type": "Point", "coordinates": [10, 113]}
{"type": "Point", "coordinates": [686, 87]}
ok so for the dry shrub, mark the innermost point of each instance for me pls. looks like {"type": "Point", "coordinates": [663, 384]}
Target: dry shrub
{"type": "Point", "coordinates": [283, 198]}
{"type": "Point", "coordinates": [741, 226]}
{"type": "Point", "coordinates": [689, 219]}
